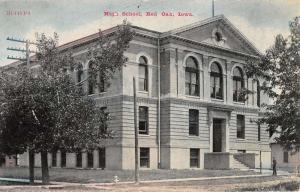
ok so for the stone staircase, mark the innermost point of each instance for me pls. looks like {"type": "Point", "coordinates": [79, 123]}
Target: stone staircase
{"type": "Point", "coordinates": [236, 164]}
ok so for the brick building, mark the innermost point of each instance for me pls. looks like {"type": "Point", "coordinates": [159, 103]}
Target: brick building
{"type": "Point", "coordinates": [191, 111]}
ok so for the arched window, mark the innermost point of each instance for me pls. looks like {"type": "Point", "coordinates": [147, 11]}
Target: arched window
{"type": "Point", "coordinates": [216, 81]}
{"type": "Point", "coordinates": [143, 74]}
{"type": "Point", "coordinates": [191, 77]}
{"type": "Point", "coordinates": [91, 80]}
{"type": "Point", "coordinates": [238, 85]}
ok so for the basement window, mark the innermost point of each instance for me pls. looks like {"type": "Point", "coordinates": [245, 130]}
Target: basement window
{"type": "Point", "coordinates": [145, 157]}
{"type": "Point", "coordinates": [194, 158]}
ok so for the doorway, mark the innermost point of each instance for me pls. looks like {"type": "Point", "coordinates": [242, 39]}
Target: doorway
{"type": "Point", "coordinates": [218, 135]}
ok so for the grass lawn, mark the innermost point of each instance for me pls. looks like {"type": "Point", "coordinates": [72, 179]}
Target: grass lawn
{"type": "Point", "coordinates": [41, 189]}
{"type": "Point", "coordinates": [91, 176]}
{"type": "Point", "coordinates": [241, 184]}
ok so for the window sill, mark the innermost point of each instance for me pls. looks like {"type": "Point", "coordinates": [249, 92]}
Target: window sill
{"type": "Point", "coordinates": [193, 96]}
{"type": "Point", "coordinates": [217, 100]}
{"type": "Point", "coordinates": [95, 94]}
{"type": "Point", "coordinates": [145, 168]}
{"type": "Point", "coordinates": [144, 135]}
{"type": "Point", "coordinates": [240, 139]}
{"type": "Point", "coordinates": [238, 103]}
{"type": "Point", "coordinates": [195, 168]}
{"type": "Point", "coordinates": [193, 136]}
{"type": "Point", "coordinates": [144, 92]}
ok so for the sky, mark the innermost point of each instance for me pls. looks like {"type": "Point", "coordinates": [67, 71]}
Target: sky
{"type": "Point", "coordinates": [259, 20]}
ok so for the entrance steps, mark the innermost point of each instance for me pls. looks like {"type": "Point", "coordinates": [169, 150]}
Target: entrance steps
{"type": "Point", "coordinates": [236, 164]}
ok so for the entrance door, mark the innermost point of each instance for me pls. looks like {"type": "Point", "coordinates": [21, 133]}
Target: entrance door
{"type": "Point", "coordinates": [217, 135]}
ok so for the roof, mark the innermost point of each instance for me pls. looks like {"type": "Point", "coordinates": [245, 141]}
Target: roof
{"type": "Point", "coordinates": [156, 34]}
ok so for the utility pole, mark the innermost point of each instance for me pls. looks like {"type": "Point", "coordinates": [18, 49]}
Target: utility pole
{"type": "Point", "coordinates": [260, 163]}
{"type": "Point", "coordinates": [213, 8]}
{"type": "Point", "coordinates": [136, 135]}
{"type": "Point", "coordinates": [27, 52]}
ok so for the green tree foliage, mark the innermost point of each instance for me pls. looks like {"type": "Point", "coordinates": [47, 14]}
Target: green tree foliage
{"type": "Point", "coordinates": [44, 110]}
{"type": "Point", "coordinates": [280, 68]}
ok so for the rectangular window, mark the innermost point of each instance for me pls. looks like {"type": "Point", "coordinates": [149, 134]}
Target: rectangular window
{"type": "Point", "coordinates": [2, 160]}
{"type": "Point", "coordinates": [258, 132]}
{"type": "Point", "coordinates": [187, 83]}
{"type": "Point", "coordinates": [240, 126]}
{"type": "Point", "coordinates": [143, 120]}
{"type": "Point", "coordinates": [258, 94]}
{"type": "Point", "coordinates": [194, 158]}
{"type": "Point", "coordinates": [101, 158]}
{"type": "Point", "coordinates": [191, 83]}
{"type": "Point", "coordinates": [104, 119]}
{"type": "Point", "coordinates": [54, 161]}
{"type": "Point", "coordinates": [285, 156]}
{"type": "Point", "coordinates": [91, 87]}
{"type": "Point", "coordinates": [143, 78]}
{"type": "Point", "coordinates": [90, 159]}
{"type": "Point", "coordinates": [102, 84]}
{"type": "Point", "coordinates": [193, 122]}
{"type": "Point", "coordinates": [79, 159]}
{"type": "Point", "coordinates": [145, 157]}
{"type": "Point", "coordinates": [63, 159]}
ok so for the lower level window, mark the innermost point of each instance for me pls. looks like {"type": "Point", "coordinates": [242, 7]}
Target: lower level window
{"type": "Point", "coordinates": [194, 157]}
{"type": "Point", "coordinates": [63, 159]}
{"type": "Point", "coordinates": [90, 160]}
{"type": "Point", "coordinates": [145, 157]}
{"type": "Point", "coordinates": [285, 157]}
{"type": "Point", "coordinates": [101, 158]}
{"type": "Point", "coordinates": [79, 159]}
{"type": "Point", "coordinates": [54, 164]}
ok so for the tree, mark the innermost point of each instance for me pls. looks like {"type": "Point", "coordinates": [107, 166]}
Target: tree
{"type": "Point", "coordinates": [280, 69]}
{"type": "Point", "coordinates": [45, 110]}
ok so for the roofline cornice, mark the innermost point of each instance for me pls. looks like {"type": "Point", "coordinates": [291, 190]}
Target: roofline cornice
{"type": "Point", "coordinates": [176, 37]}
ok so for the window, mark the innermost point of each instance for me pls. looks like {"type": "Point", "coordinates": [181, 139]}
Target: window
{"type": "Point", "coordinates": [54, 161]}
{"type": "Point", "coordinates": [2, 160]}
{"type": "Point", "coordinates": [101, 158]}
{"type": "Point", "coordinates": [102, 84]}
{"type": "Point", "coordinates": [258, 93]}
{"type": "Point", "coordinates": [285, 157]}
{"type": "Point", "coordinates": [218, 36]}
{"type": "Point", "coordinates": [91, 81]}
{"type": "Point", "coordinates": [79, 73]}
{"type": "Point", "coordinates": [194, 157]}
{"type": "Point", "coordinates": [193, 122]}
{"type": "Point", "coordinates": [143, 74]}
{"type": "Point", "coordinates": [216, 81]}
{"type": "Point", "coordinates": [238, 85]}
{"type": "Point", "coordinates": [191, 77]}
{"type": "Point", "coordinates": [104, 120]}
{"type": "Point", "coordinates": [63, 159]}
{"type": "Point", "coordinates": [240, 126]}
{"type": "Point", "coordinates": [90, 159]}
{"type": "Point", "coordinates": [271, 132]}
{"type": "Point", "coordinates": [79, 159]}
{"type": "Point", "coordinates": [143, 120]}
{"type": "Point", "coordinates": [258, 132]}
{"type": "Point", "coordinates": [17, 159]}
{"type": "Point", "coordinates": [144, 157]}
